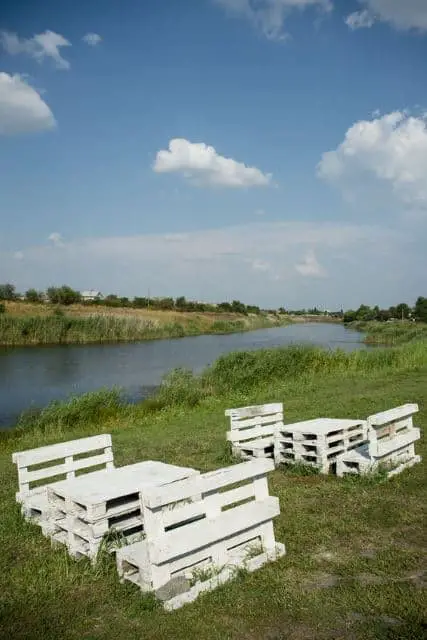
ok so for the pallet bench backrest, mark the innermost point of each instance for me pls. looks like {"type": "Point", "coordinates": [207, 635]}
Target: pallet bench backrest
{"type": "Point", "coordinates": [389, 425]}
{"type": "Point", "coordinates": [196, 521]}
{"type": "Point", "coordinates": [62, 459]}
{"type": "Point", "coordinates": [258, 421]}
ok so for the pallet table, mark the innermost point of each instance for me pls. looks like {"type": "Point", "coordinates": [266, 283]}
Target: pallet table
{"type": "Point", "coordinates": [84, 509]}
{"type": "Point", "coordinates": [318, 442]}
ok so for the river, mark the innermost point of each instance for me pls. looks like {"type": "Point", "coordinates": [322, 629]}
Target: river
{"type": "Point", "coordinates": [34, 376]}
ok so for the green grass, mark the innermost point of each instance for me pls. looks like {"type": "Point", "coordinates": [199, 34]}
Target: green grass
{"type": "Point", "coordinates": [392, 333]}
{"type": "Point", "coordinates": [59, 328]}
{"type": "Point", "coordinates": [355, 547]}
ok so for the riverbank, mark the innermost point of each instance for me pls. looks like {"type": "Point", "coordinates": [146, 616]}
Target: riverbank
{"type": "Point", "coordinates": [355, 558]}
{"type": "Point", "coordinates": [26, 324]}
{"type": "Point", "coordinates": [391, 333]}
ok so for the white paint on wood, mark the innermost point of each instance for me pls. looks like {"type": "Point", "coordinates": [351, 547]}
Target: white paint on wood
{"type": "Point", "coordinates": [203, 522]}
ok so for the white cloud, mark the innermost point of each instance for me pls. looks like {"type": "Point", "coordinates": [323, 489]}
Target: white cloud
{"type": "Point", "coordinates": [21, 108]}
{"type": "Point", "coordinates": [388, 151]}
{"type": "Point", "coordinates": [18, 255]}
{"type": "Point", "coordinates": [310, 266]}
{"type": "Point", "coordinates": [269, 16]}
{"type": "Point", "coordinates": [363, 262]}
{"type": "Point", "coordinates": [261, 265]}
{"type": "Point", "coordinates": [260, 212]}
{"type": "Point", "coordinates": [360, 20]}
{"type": "Point", "coordinates": [40, 46]}
{"type": "Point", "coordinates": [92, 39]}
{"type": "Point", "coordinates": [401, 14]}
{"type": "Point", "coordinates": [56, 239]}
{"type": "Point", "coordinates": [201, 164]}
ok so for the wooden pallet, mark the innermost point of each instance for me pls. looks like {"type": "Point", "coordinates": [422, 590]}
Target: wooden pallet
{"type": "Point", "coordinates": [203, 525]}
{"type": "Point", "coordinates": [318, 442]}
{"type": "Point", "coordinates": [252, 429]}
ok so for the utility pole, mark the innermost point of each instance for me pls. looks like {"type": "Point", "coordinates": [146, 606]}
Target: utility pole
{"type": "Point", "coordinates": [148, 298]}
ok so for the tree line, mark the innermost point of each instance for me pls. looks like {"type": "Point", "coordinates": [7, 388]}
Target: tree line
{"type": "Point", "coordinates": [401, 311]}
{"type": "Point", "coordinates": [66, 296]}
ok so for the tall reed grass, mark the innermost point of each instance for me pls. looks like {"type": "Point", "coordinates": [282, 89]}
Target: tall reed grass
{"type": "Point", "coordinates": [391, 333]}
{"type": "Point", "coordinates": [62, 329]}
{"type": "Point", "coordinates": [232, 374]}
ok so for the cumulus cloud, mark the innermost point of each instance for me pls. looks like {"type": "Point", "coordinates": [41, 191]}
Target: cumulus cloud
{"type": "Point", "coordinates": [269, 16]}
{"type": "Point", "coordinates": [201, 164]}
{"type": "Point", "coordinates": [40, 47]}
{"type": "Point", "coordinates": [390, 150]}
{"type": "Point", "coordinates": [22, 110]}
{"type": "Point", "coordinates": [401, 14]}
{"type": "Point", "coordinates": [253, 262]}
{"type": "Point", "coordinates": [92, 39]}
{"type": "Point", "coordinates": [56, 239]}
{"type": "Point", "coordinates": [310, 266]}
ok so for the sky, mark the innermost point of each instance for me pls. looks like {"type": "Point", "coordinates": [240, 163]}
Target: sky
{"type": "Point", "coordinates": [271, 151]}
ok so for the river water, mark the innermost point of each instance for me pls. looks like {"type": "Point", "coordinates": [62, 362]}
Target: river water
{"type": "Point", "coordinates": [34, 376]}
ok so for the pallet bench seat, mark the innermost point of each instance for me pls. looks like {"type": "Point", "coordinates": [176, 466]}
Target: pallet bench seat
{"type": "Point", "coordinates": [318, 442]}
{"type": "Point", "coordinates": [391, 439]}
{"type": "Point", "coordinates": [200, 530]}
{"type": "Point", "coordinates": [38, 468]}
{"type": "Point", "coordinates": [252, 429]}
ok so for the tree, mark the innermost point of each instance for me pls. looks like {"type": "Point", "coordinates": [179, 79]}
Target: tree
{"type": "Point", "coordinates": [165, 303]}
{"type": "Point", "coordinates": [63, 295]}
{"type": "Point", "coordinates": [140, 303]}
{"type": "Point", "coordinates": [181, 303]}
{"type": "Point", "coordinates": [238, 307]}
{"type": "Point", "coordinates": [403, 311]}
{"type": "Point", "coordinates": [420, 309]}
{"type": "Point", "coordinates": [350, 316]}
{"type": "Point", "coordinates": [7, 292]}
{"type": "Point", "coordinates": [32, 295]}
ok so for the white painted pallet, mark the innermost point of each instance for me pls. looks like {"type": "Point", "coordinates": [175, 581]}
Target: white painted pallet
{"type": "Point", "coordinates": [391, 444]}
{"type": "Point", "coordinates": [42, 466]}
{"type": "Point", "coordinates": [318, 442]}
{"type": "Point", "coordinates": [252, 429]}
{"type": "Point", "coordinates": [87, 508]}
{"type": "Point", "coordinates": [204, 525]}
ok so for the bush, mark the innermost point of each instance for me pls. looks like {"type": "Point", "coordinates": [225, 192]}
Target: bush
{"type": "Point", "coordinates": [2, 307]}
{"type": "Point", "coordinates": [93, 408]}
{"type": "Point", "coordinates": [181, 387]}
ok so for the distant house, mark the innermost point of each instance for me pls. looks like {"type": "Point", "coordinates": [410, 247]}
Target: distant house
{"type": "Point", "coordinates": [91, 295]}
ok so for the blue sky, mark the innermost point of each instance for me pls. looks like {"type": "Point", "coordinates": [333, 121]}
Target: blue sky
{"type": "Point", "coordinates": [271, 151]}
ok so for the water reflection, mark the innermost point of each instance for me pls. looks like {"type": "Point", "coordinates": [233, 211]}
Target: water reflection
{"type": "Point", "coordinates": [33, 376]}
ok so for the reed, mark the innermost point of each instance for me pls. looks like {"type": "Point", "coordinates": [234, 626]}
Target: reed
{"type": "Point", "coordinates": [59, 328]}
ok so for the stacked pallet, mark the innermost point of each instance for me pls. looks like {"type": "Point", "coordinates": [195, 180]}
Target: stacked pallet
{"type": "Point", "coordinates": [84, 509]}
{"type": "Point", "coordinates": [252, 429]}
{"type": "Point", "coordinates": [391, 438]}
{"type": "Point", "coordinates": [83, 529]}
{"type": "Point", "coordinates": [201, 530]}
{"type": "Point", "coordinates": [318, 442]}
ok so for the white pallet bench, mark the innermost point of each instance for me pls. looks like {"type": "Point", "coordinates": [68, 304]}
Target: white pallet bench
{"type": "Point", "coordinates": [252, 429]}
{"type": "Point", "coordinates": [203, 527]}
{"type": "Point", "coordinates": [38, 468]}
{"type": "Point", "coordinates": [318, 442]}
{"type": "Point", "coordinates": [87, 508]}
{"type": "Point", "coordinates": [391, 438]}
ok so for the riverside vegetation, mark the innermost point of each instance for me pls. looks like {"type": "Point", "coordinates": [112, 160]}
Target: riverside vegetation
{"type": "Point", "coordinates": [355, 563]}
{"type": "Point", "coordinates": [25, 324]}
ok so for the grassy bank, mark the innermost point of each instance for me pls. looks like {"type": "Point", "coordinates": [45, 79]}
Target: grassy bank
{"type": "Point", "coordinates": [355, 562]}
{"type": "Point", "coordinates": [18, 326]}
{"type": "Point", "coordinates": [391, 333]}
